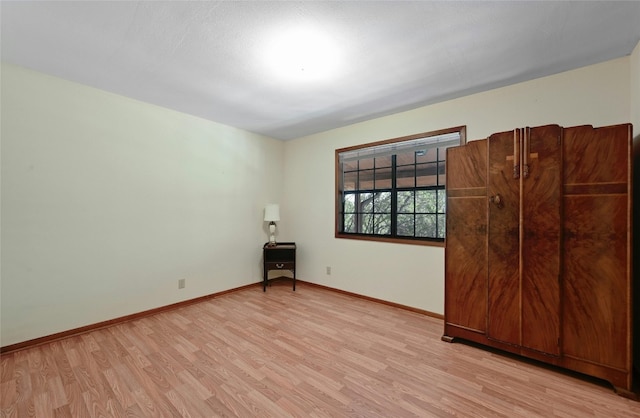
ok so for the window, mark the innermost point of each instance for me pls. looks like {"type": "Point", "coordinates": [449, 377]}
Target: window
{"type": "Point", "coordinates": [394, 190]}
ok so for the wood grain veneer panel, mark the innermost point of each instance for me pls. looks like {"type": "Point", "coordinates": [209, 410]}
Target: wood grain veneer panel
{"type": "Point", "coordinates": [541, 220]}
{"type": "Point", "coordinates": [596, 155]}
{"type": "Point", "coordinates": [597, 266]}
{"type": "Point", "coordinates": [465, 252]}
{"type": "Point", "coordinates": [595, 279]}
{"type": "Point", "coordinates": [503, 236]}
{"type": "Point", "coordinates": [465, 263]}
{"type": "Point", "coordinates": [467, 165]}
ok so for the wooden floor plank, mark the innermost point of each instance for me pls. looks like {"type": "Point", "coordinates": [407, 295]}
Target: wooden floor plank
{"type": "Point", "coordinates": [312, 352]}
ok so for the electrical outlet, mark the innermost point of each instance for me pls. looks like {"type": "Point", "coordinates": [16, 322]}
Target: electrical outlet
{"type": "Point", "coordinates": [182, 283]}
{"type": "Point", "coordinates": [328, 270]}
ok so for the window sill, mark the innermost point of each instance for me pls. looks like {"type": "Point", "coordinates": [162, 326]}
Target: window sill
{"type": "Point", "coordinates": [393, 240]}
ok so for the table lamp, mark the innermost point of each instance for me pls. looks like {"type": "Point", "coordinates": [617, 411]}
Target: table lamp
{"type": "Point", "coordinates": [271, 215]}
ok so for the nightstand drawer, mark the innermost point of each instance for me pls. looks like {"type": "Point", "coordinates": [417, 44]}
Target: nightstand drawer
{"type": "Point", "coordinates": [280, 254]}
{"type": "Point", "coordinates": [284, 265]}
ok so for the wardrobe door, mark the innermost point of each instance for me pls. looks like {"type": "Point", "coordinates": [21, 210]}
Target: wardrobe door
{"type": "Point", "coordinates": [465, 252]}
{"type": "Point", "coordinates": [503, 189]}
{"type": "Point", "coordinates": [597, 244]}
{"type": "Point", "coordinates": [541, 224]}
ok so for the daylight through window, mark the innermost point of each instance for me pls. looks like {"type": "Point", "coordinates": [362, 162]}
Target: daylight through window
{"type": "Point", "coordinates": [395, 190]}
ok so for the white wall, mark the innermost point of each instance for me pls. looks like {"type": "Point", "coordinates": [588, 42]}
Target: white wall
{"type": "Point", "coordinates": [413, 275]}
{"type": "Point", "coordinates": [635, 119]}
{"type": "Point", "coordinates": [107, 202]}
{"type": "Point", "coordinates": [635, 90]}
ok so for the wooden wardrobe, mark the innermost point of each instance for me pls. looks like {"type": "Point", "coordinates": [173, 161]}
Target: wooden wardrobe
{"type": "Point", "coordinates": [538, 249]}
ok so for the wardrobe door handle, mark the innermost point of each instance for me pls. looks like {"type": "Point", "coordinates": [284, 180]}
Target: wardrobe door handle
{"type": "Point", "coordinates": [525, 153]}
{"type": "Point", "coordinates": [497, 200]}
{"type": "Point", "coordinates": [516, 154]}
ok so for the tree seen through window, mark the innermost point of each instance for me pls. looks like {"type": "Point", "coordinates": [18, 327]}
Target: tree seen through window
{"type": "Point", "coordinates": [395, 189]}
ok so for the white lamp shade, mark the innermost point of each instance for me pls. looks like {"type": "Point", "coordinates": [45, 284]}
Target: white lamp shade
{"type": "Point", "coordinates": [272, 212]}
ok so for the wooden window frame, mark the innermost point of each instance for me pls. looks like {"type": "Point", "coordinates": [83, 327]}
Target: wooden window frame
{"type": "Point", "coordinates": [436, 242]}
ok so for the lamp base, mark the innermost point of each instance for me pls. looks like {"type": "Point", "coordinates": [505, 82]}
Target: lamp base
{"type": "Point", "coordinates": [272, 241]}
{"type": "Point", "coordinates": [272, 236]}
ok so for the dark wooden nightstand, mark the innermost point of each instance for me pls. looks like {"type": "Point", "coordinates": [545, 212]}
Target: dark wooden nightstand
{"type": "Point", "coordinates": [281, 256]}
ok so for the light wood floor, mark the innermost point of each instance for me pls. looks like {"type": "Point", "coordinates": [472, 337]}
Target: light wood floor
{"type": "Point", "coordinates": [309, 353]}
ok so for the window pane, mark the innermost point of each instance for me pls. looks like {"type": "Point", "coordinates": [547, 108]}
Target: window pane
{"type": "Point", "coordinates": [382, 224]}
{"type": "Point", "coordinates": [405, 158]}
{"type": "Point", "coordinates": [406, 176]}
{"type": "Point", "coordinates": [367, 224]}
{"type": "Point", "coordinates": [405, 202]}
{"type": "Point", "coordinates": [442, 201]}
{"type": "Point", "coordinates": [406, 182]}
{"type": "Point", "coordinates": [365, 164]}
{"type": "Point", "coordinates": [366, 203]}
{"type": "Point", "coordinates": [350, 166]}
{"type": "Point", "coordinates": [442, 154]}
{"type": "Point", "coordinates": [405, 225]}
{"type": "Point", "coordinates": [383, 161]}
{"type": "Point", "coordinates": [442, 224]}
{"type": "Point", "coordinates": [426, 226]}
{"type": "Point", "coordinates": [382, 202]}
{"type": "Point", "coordinates": [411, 171]}
{"type": "Point", "coordinates": [349, 180]}
{"type": "Point", "coordinates": [365, 180]}
{"type": "Point", "coordinates": [431, 155]}
{"type": "Point", "coordinates": [383, 178]}
{"type": "Point", "coordinates": [426, 174]}
{"type": "Point", "coordinates": [349, 203]}
{"type": "Point", "coordinates": [426, 201]}
{"type": "Point", "coordinates": [349, 222]}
